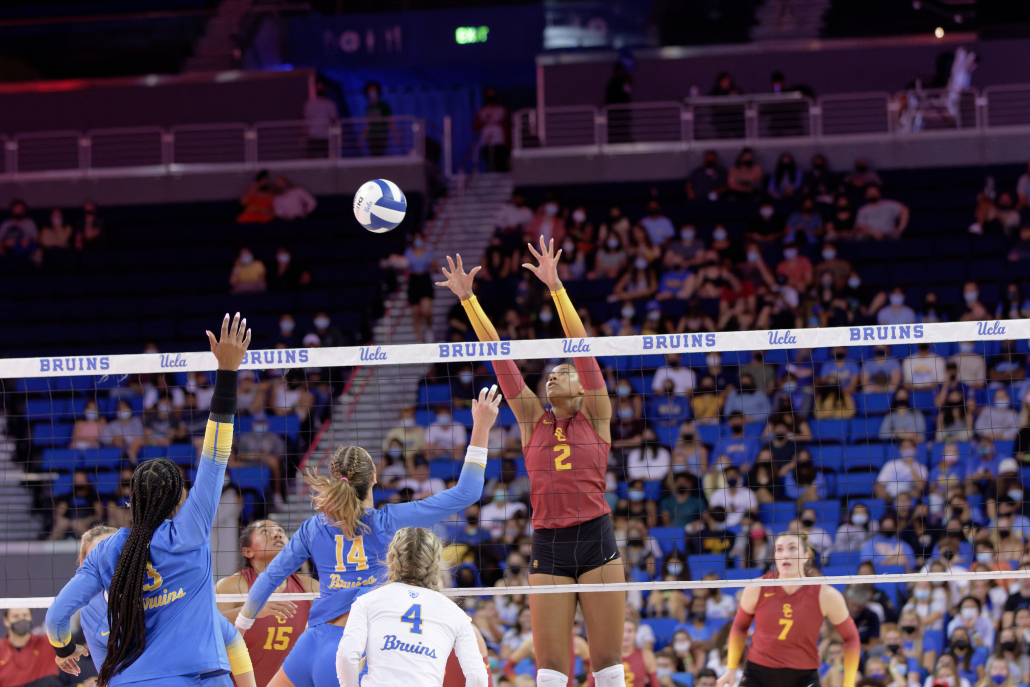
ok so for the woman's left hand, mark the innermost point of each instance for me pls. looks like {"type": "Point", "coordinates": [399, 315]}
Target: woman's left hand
{"type": "Point", "coordinates": [547, 270]}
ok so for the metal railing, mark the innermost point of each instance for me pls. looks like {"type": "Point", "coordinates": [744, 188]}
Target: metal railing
{"type": "Point", "coordinates": [771, 116]}
{"type": "Point", "coordinates": [232, 144]}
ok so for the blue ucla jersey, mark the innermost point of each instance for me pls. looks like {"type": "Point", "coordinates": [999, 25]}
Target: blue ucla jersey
{"type": "Point", "coordinates": [94, 627]}
{"type": "Point", "coordinates": [348, 568]}
{"type": "Point", "coordinates": [183, 637]}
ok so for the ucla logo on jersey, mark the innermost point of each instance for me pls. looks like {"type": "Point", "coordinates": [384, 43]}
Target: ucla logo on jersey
{"type": "Point", "coordinates": [413, 595]}
{"type": "Point", "coordinates": [390, 643]}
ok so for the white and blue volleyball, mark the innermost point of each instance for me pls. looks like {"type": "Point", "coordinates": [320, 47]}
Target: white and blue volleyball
{"type": "Point", "coordinates": [380, 205]}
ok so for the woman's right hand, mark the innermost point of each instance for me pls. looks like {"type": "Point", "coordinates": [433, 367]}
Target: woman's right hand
{"type": "Point", "coordinates": [485, 408]}
{"type": "Point", "coordinates": [457, 280]}
{"type": "Point", "coordinates": [231, 347]}
{"type": "Point", "coordinates": [283, 610]}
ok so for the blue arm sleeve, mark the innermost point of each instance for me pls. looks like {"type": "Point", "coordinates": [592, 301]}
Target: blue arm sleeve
{"type": "Point", "coordinates": [86, 584]}
{"type": "Point", "coordinates": [192, 526]}
{"type": "Point", "coordinates": [429, 511]}
{"type": "Point", "coordinates": [282, 566]}
{"type": "Point", "coordinates": [229, 631]}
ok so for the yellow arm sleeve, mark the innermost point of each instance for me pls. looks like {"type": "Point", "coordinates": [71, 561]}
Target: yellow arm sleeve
{"type": "Point", "coordinates": [217, 441]}
{"type": "Point", "coordinates": [239, 656]}
{"type": "Point", "coordinates": [570, 320]}
{"type": "Point", "coordinates": [480, 322]}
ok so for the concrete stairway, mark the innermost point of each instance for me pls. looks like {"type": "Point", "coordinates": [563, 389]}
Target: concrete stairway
{"type": "Point", "coordinates": [463, 224]}
{"type": "Point", "coordinates": [217, 49]}
{"type": "Point", "coordinates": [17, 521]}
{"type": "Point", "coordinates": [789, 19]}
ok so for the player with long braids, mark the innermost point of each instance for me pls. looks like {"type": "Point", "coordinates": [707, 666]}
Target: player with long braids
{"type": "Point", "coordinates": [95, 628]}
{"type": "Point", "coordinates": [158, 577]}
{"type": "Point", "coordinates": [566, 447]}
{"type": "Point", "coordinates": [785, 646]}
{"type": "Point", "coordinates": [348, 539]}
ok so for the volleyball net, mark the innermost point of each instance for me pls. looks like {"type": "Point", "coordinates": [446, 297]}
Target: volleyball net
{"type": "Point", "coordinates": [900, 450]}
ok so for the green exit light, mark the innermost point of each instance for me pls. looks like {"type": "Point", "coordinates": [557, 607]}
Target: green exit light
{"type": "Point", "coordinates": [463, 35]}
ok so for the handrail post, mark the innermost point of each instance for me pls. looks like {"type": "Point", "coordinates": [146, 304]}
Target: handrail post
{"type": "Point", "coordinates": [85, 153]}
{"type": "Point", "coordinates": [687, 124]}
{"type": "Point", "coordinates": [11, 156]}
{"type": "Point", "coordinates": [250, 146]}
{"type": "Point", "coordinates": [448, 147]}
{"type": "Point", "coordinates": [981, 111]}
{"type": "Point", "coordinates": [815, 120]}
{"type": "Point", "coordinates": [600, 127]}
{"type": "Point", "coordinates": [750, 120]}
{"type": "Point", "coordinates": [335, 141]}
{"type": "Point", "coordinates": [167, 148]}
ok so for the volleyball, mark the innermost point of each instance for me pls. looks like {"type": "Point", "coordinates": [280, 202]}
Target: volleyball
{"type": "Point", "coordinates": [380, 205]}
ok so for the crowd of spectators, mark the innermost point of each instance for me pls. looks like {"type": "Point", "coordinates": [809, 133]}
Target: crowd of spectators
{"type": "Point", "coordinates": [23, 243]}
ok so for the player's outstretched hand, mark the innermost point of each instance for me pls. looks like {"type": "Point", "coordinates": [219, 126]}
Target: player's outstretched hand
{"type": "Point", "coordinates": [231, 347]}
{"type": "Point", "coordinates": [70, 664]}
{"type": "Point", "coordinates": [547, 270]}
{"type": "Point", "coordinates": [457, 280]}
{"type": "Point", "coordinates": [283, 610]}
{"type": "Point", "coordinates": [485, 408]}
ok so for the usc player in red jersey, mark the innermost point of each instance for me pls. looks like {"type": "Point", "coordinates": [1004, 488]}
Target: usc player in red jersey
{"type": "Point", "coordinates": [566, 447]}
{"type": "Point", "coordinates": [280, 623]}
{"type": "Point", "coordinates": [640, 665]}
{"type": "Point", "coordinates": [784, 649]}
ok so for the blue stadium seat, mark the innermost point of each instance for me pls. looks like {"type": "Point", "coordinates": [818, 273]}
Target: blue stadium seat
{"type": "Point", "coordinates": [445, 469]}
{"type": "Point", "coordinates": [933, 640]}
{"type": "Point", "coordinates": [683, 679]}
{"type": "Point", "coordinates": [44, 409]}
{"type": "Point", "coordinates": [875, 403]}
{"type": "Point", "coordinates": [829, 430]}
{"type": "Point", "coordinates": [505, 417]}
{"type": "Point", "coordinates": [284, 425]}
{"type": "Point", "coordinates": [37, 385]}
{"type": "Point", "coordinates": [923, 400]}
{"type": "Point", "coordinates": [701, 564]}
{"type": "Point", "coordinates": [152, 452]}
{"type": "Point", "coordinates": [253, 478]}
{"type": "Point", "coordinates": [828, 457]}
{"type": "Point", "coordinates": [107, 482]}
{"type": "Point", "coordinates": [434, 394]}
{"type": "Point", "coordinates": [777, 513]}
{"type": "Point", "coordinates": [1004, 448]}
{"type": "Point", "coordinates": [425, 417]}
{"type": "Point", "coordinates": [827, 513]}
{"type": "Point", "coordinates": [709, 434]}
{"type": "Point", "coordinates": [493, 469]}
{"type": "Point", "coordinates": [62, 486]}
{"type": "Point", "coordinates": [463, 416]}
{"type": "Point", "coordinates": [663, 628]}
{"type": "Point", "coordinates": [182, 454]}
{"type": "Point", "coordinates": [745, 573]}
{"type": "Point", "coordinates": [51, 433]}
{"type": "Point", "coordinates": [864, 428]}
{"type": "Point", "coordinates": [864, 453]}
{"type": "Point", "coordinates": [109, 458]}
{"type": "Point", "coordinates": [842, 565]}
{"type": "Point", "coordinates": [60, 460]}
{"type": "Point", "coordinates": [669, 539]}
{"type": "Point", "coordinates": [876, 506]}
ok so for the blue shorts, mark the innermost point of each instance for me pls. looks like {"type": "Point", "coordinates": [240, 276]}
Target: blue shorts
{"type": "Point", "coordinates": [173, 681]}
{"type": "Point", "coordinates": [312, 662]}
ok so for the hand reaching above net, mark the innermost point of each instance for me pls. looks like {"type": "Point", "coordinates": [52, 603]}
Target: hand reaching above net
{"type": "Point", "coordinates": [231, 346]}
{"type": "Point", "coordinates": [547, 270]}
{"type": "Point", "coordinates": [457, 280]}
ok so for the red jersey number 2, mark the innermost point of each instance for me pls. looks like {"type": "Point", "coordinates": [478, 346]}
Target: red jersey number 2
{"type": "Point", "coordinates": [563, 451]}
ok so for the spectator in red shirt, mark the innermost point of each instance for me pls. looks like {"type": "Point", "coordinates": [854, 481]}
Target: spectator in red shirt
{"type": "Point", "coordinates": [737, 306]}
{"type": "Point", "coordinates": [25, 658]}
{"type": "Point", "coordinates": [796, 268]}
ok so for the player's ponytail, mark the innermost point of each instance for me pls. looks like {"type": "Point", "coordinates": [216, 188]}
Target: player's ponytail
{"type": "Point", "coordinates": [340, 497]}
{"type": "Point", "coordinates": [414, 558]}
{"type": "Point", "coordinates": [155, 493]}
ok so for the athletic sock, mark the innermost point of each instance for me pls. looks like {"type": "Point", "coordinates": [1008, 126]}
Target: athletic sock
{"type": "Point", "coordinates": [612, 676]}
{"type": "Point", "coordinates": [551, 678]}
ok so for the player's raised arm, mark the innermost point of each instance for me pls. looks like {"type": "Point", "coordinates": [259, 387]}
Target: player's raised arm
{"type": "Point", "coordinates": [596, 403]}
{"type": "Point", "coordinates": [197, 516]}
{"type": "Point", "coordinates": [521, 399]}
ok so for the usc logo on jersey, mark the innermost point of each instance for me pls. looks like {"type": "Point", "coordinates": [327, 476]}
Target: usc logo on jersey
{"type": "Point", "coordinates": [559, 434]}
{"type": "Point", "coordinates": [787, 611]}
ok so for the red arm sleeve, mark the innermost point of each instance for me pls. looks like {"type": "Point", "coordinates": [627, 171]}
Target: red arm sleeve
{"type": "Point", "coordinates": [852, 650]}
{"type": "Point", "coordinates": [738, 638]}
{"type": "Point", "coordinates": [589, 373]}
{"type": "Point", "coordinates": [509, 377]}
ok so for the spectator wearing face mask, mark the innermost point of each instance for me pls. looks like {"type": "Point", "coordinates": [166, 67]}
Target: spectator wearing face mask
{"type": "Point", "coordinates": [266, 448]}
{"type": "Point", "coordinates": [162, 427]}
{"type": "Point", "coordinates": [610, 259]}
{"type": "Point", "coordinates": [683, 378]}
{"type": "Point", "coordinates": [708, 181]}
{"type": "Point", "coordinates": [998, 421]}
{"type": "Point", "coordinates": [248, 274]}
{"type": "Point", "coordinates": [971, 369]}
{"type": "Point", "coordinates": [863, 176]}
{"type": "Point", "coordinates": [687, 248]}
{"type": "Point", "coordinates": [853, 534]}
{"type": "Point", "coordinates": [499, 510]}
{"type": "Point", "coordinates": [744, 179]}
{"type": "Point", "coordinates": [463, 387]}
{"type": "Point", "coordinates": [741, 450]}
{"type": "Point", "coordinates": [923, 369]}
{"type": "Point", "coordinates": [1004, 669]}
{"type": "Point", "coordinates": [660, 228]}
{"type": "Point", "coordinates": [665, 660]}
{"type": "Point", "coordinates": [903, 421]}
{"type": "Point", "coordinates": [880, 219]}
{"type": "Point", "coordinates": [25, 658]}
{"type": "Point", "coordinates": [328, 335]}
{"type": "Point", "coordinates": [881, 373]}
{"type": "Point", "coordinates": [125, 431]}
{"type": "Point", "coordinates": [971, 624]}
{"type": "Point", "coordinates": [638, 283]}
{"type": "Point", "coordinates": [258, 201]}
{"type": "Point", "coordinates": [672, 282]}
{"type": "Point", "coordinates": [89, 428]}
{"type": "Point", "coordinates": [886, 548]}
{"type": "Point", "coordinates": [710, 534]}
{"type": "Point", "coordinates": [749, 401]}
{"type": "Point", "coordinates": [896, 312]}
{"type": "Point", "coordinates": [649, 461]}
{"type": "Point", "coordinates": [832, 264]}
{"type": "Point", "coordinates": [286, 275]}
{"type": "Point", "coordinates": [804, 224]}
{"type": "Point", "coordinates": [768, 227]}
{"type": "Point", "coordinates": [972, 310]}
{"type": "Point", "coordinates": [786, 179]}
{"type": "Point", "coordinates": [795, 268]}
{"type": "Point", "coordinates": [706, 403]}
{"type": "Point", "coordinates": [445, 438]}
{"type": "Point", "coordinates": [904, 475]}
{"type": "Point", "coordinates": [684, 505]}
{"type": "Point", "coordinates": [867, 622]}
{"type": "Point", "coordinates": [546, 222]}
{"type": "Point", "coordinates": [79, 511]}
{"type": "Point", "coordinates": [734, 498]}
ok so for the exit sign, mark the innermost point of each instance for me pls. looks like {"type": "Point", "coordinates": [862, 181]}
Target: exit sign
{"type": "Point", "coordinates": [464, 35]}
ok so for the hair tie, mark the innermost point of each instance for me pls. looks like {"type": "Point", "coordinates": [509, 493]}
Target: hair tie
{"type": "Point", "coordinates": [344, 479]}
